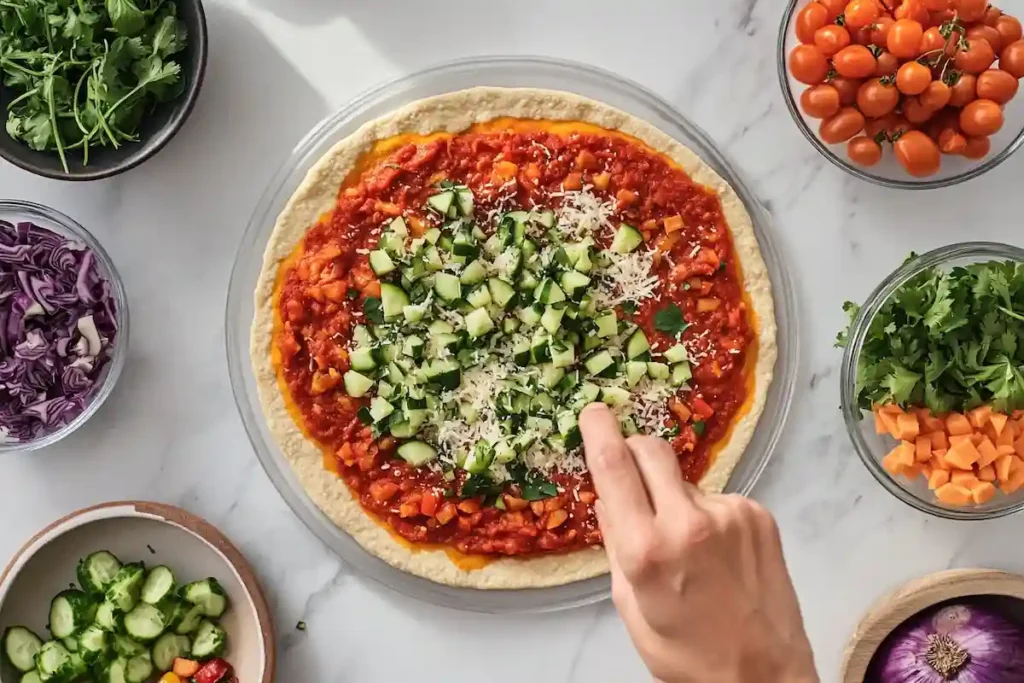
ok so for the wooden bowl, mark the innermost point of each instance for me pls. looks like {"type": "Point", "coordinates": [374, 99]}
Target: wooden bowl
{"type": "Point", "coordinates": [156, 534]}
{"type": "Point", "coordinates": [914, 597]}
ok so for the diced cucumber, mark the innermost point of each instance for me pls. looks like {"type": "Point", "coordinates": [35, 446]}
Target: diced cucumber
{"type": "Point", "coordinates": [614, 396]}
{"type": "Point", "coordinates": [448, 287]}
{"type": "Point", "coordinates": [573, 282]}
{"type": "Point", "coordinates": [635, 371]}
{"type": "Point", "coordinates": [509, 325]}
{"type": "Point", "coordinates": [599, 362]}
{"type": "Point", "coordinates": [145, 622]}
{"type": "Point", "coordinates": [589, 392]}
{"type": "Point", "coordinates": [381, 263]}
{"type": "Point", "coordinates": [478, 323]}
{"type": "Point", "coordinates": [391, 243]}
{"type": "Point", "coordinates": [432, 235]}
{"type": "Point", "coordinates": [583, 263]}
{"type": "Point", "coordinates": [125, 646]}
{"type": "Point", "coordinates": [413, 346]}
{"type": "Point", "coordinates": [414, 313]}
{"type": "Point", "coordinates": [551, 320]}
{"type": "Point", "coordinates": [445, 373]}
{"type": "Point", "coordinates": [21, 646]}
{"type": "Point", "coordinates": [464, 197]}
{"type": "Point", "coordinates": [440, 327]}
{"type": "Point", "coordinates": [96, 571]}
{"type": "Point", "coordinates": [169, 647]}
{"type": "Point", "coordinates": [681, 374]}
{"type": "Point", "coordinates": [158, 585]}
{"type": "Point", "coordinates": [531, 315]}
{"type": "Point", "coordinates": [357, 385]}
{"type": "Point", "coordinates": [54, 662]}
{"type": "Point", "coordinates": [115, 671]}
{"type": "Point", "coordinates": [207, 594]}
{"type": "Point", "coordinates": [563, 356]}
{"type": "Point", "coordinates": [397, 226]}
{"type": "Point", "coordinates": [551, 376]}
{"type": "Point", "coordinates": [521, 353]}
{"type": "Point", "coordinates": [474, 273]}
{"type": "Point", "coordinates": [109, 617]}
{"type": "Point", "coordinates": [441, 202]}
{"type": "Point", "coordinates": [627, 238]}
{"type": "Point", "coordinates": [70, 612]}
{"type": "Point", "coordinates": [32, 677]}
{"type": "Point", "coordinates": [546, 219]}
{"type": "Point", "coordinates": [123, 591]}
{"type": "Point", "coordinates": [502, 293]}
{"type": "Point", "coordinates": [566, 422]}
{"type": "Point", "coordinates": [417, 453]}
{"type": "Point", "coordinates": [677, 354]}
{"type": "Point", "coordinates": [607, 325]}
{"type": "Point", "coordinates": [362, 359]}
{"type": "Point", "coordinates": [547, 292]}
{"type": "Point", "coordinates": [637, 345]}
{"type": "Point", "coordinates": [658, 371]}
{"type": "Point", "coordinates": [380, 408]}
{"type": "Point", "coordinates": [446, 341]}
{"type": "Point", "coordinates": [392, 300]}
{"type": "Point", "coordinates": [479, 297]}
{"type": "Point", "coordinates": [480, 459]}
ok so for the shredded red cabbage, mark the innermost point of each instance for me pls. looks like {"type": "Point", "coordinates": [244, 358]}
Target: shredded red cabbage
{"type": "Point", "coordinates": [58, 326]}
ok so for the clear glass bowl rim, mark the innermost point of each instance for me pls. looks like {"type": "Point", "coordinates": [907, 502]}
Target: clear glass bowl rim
{"type": "Point", "coordinates": [823, 149]}
{"type": "Point", "coordinates": [47, 218]}
{"type": "Point", "coordinates": [240, 292]}
{"type": "Point", "coordinates": [853, 415]}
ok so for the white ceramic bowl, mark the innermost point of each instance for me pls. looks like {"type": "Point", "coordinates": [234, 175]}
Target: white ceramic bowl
{"type": "Point", "coordinates": [153, 533]}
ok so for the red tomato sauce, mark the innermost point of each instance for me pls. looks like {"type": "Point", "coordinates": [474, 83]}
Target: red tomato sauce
{"type": "Point", "coordinates": [322, 288]}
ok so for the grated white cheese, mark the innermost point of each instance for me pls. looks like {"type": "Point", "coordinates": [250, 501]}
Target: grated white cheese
{"type": "Point", "coordinates": [582, 213]}
{"type": "Point", "coordinates": [627, 278]}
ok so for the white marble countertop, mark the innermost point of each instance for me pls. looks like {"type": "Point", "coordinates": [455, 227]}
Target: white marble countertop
{"type": "Point", "coordinates": [170, 431]}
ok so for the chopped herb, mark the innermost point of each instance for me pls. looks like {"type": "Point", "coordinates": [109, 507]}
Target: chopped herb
{"type": "Point", "coordinates": [670, 319]}
{"type": "Point", "coordinates": [479, 485]}
{"type": "Point", "coordinates": [364, 416]}
{"type": "Point", "coordinates": [301, 626]}
{"type": "Point", "coordinates": [352, 293]}
{"type": "Point", "coordinates": [698, 427]}
{"type": "Point", "coordinates": [534, 485]}
{"type": "Point", "coordinates": [373, 311]}
{"type": "Point", "coordinates": [629, 307]}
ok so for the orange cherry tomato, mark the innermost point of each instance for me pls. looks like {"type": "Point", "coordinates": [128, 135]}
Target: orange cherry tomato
{"type": "Point", "coordinates": [1012, 59]}
{"type": "Point", "coordinates": [937, 5]}
{"type": "Point", "coordinates": [820, 101]}
{"type": "Point", "coordinates": [847, 88]}
{"type": "Point", "coordinates": [941, 17]}
{"type": "Point", "coordinates": [977, 148]}
{"type": "Point", "coordinates": [996, 85]}
{"type": "Point", "coordinates": [886, 64]}
{"type": "Point", "coordinates": [932, 41]}
{"type": "Point", "coordinates": [810, 19]}
{"type": "Point", "coordinates": [936, 95]}
{"type": "Point", "coordinates": [860, 13]}
{"type": "Point", "coordinates": [876, 99]}
{"type": "Point", "coordinates": [943, 120]}
{"type": "Point", "coordinates": [963, 91]}
{"type": "Point", "coordinates": [1009, 30]}
{"type": "Point", "coordinates": [952, 142]}
{"type": "Point", "coordinates": [918, 154]}
{"type": "Point", "coordinates": [880, 30]}
{"type": "Point", "coordinates": [861, 36]}
{"type": "Point", "coordinates": [970, 11]}
{"type": "Point", "coordinates": [831, 39]}
{"type": "Point", "coordinates": [987, 33]}
{"type": "Point", "coordinates": [834, 7]}
{"type": "Point", "coordinates": [978, 56]}
{"type": "Point", "coordinates": [889, 125]}
{"type": "Point", "coordinates": [912, 9]}
{"type": "Point", "coordinates": [916, 112]}
{"type": "Point", "coordinates": [864, 151]}
{"type": "Point", "coordinates": [913, 78]}
{"type": "Point", "coordinates": [854, 61]}
{"type": "Point", "coordinates": [992, 15]}
{"type": "Point", "coordinates": [905, 38]}
{"type": "Point", "coordinates": [842, 126]}
{"type": "Point", "coordinates": [981, 118]}
{"type": "Point", "coordinates": [807, 64]}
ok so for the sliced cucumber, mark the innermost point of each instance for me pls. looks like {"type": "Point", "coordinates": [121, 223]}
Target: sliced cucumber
{"type": "Point", "coordinates": [190, 621]}
{"type": "Point", "coordinates": [448, 287]}
{"type": "Point", "coordinates": [158, 585]}
{"type": "Point", "coordinates": [126, 646]}
{"type": "Point", "coordinates": [209, 642]}
{"type": "Point", "coordinates": [96, 571]}
{"type": "Point", "coordinates": [362, 360]}
{"type": "Point", "coordinates": [124, 590]}
{"type": "Point", "coordinates": [115, 672]}
{"type": "Point", "coordinates": [627, 238]}
{"type": "Point", "coordinates": [93, 642]}
{"type": "Point", "coordinates": [356, 384]}
{"type": "Point", "coordinates": [441, 202]}
{"type": "Point", "coordinates": [392, 300]}
{"type": "Point", "coordinates": [169, 647]}
{"type": "Point", "coordinates": [55, 662]}
{"type": "Point", "coordinates": [145, 622]}
{"type": "Point", "coordinates": [139, 669]}
{"type": "Point", "coordinates": [21, 646]}
{"type": "Point", "coordinates": [32, 677]}
{"type": "Point", "coordinates": [417, 453]}
{"type": "Point", "coordinates": [207, 594]}
{"type": "Point", "coordinates": [109, 617]}
{"type": "Point", "coordinates": [70, 612]}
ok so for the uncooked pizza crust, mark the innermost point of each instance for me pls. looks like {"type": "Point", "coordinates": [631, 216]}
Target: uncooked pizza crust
{"type": "Point", "coordinates": [453, 113]}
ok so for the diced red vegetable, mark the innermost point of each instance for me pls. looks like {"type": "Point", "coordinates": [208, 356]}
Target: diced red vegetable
{"type": "Point", "coordinates": [214, 671]}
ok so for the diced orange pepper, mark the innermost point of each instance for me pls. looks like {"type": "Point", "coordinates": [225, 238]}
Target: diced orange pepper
{"type": "Point", "coordinates": [673, 223]}
{"type": "Point", "coordinates": [923, 448]}
{"type": "Point", "coordinates": [951, 494]}
{"type": "Point", "coordinates": [983, 492]}
{"type": "Point", "coordinates": [625, 197]}
{"type": "Point", "coordinates": [601, 180]}
{"type": "Point", "coordinates": [711, 304]}
{"type": "Point", "coordinates": [957, 424]}
{"type": "Point", "coordinates": [963, 478]}
{"type": "Point", "coordinates": [979, 417]}
{"type": "Point", "coordinates": [573, 181]}
{"type": "Point", "coordinates": [987, 473]}
{"type": "Point", "coordinates": [907, 427]}
{"type": "Point", "coordinates": [938, 478]}
{"type": "Point", "coordinates": [939, 440]}
{"type": "Point", "coordinates": [506, 170]}
{"type": "Point", "coordinates": [988, 453]}
{"type": "Point", "coordinates": [963, 455]}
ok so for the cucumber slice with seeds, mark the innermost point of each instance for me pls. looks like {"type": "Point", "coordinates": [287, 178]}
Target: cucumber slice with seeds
{"type": "Point", "coordinates": [96, 571]}
{"type": "Point", "coordinates": [627, 239]}
{"type": "Point", "coordinates": [70, 612]}
{"type": "Point", "coordinates": [145, 622]}
{"type": "Point", "coordinates": [124, 589]}
{"type": "Point", "coordinates": [21, 646]}
{"type": "Point", "coordinates": [158, 585]}
{"type": "Point", "coordinates": [207, 594]}
{"type": "Point", "coordinates": [169, 647]}
{"type": "Point", "coordinates": [209, 642]}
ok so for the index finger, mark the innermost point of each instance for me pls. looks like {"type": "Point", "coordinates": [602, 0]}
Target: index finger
{"type": "Point", "coordinates": [611, 464]}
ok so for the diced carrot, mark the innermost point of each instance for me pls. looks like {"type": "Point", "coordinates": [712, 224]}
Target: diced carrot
{"type": "Point", "coordinates": [926, 469]}
{"type": "Point", "coordinates": [923, 448]}
{"type": "Point", "coordinates": [1015, 481]}
{"type": "Point", "coordinates": [988, 453]}
{"type": "Point", "coordinates": [891, 462]}
{"type": "Point", "coordinates": [957, 424]}
{"type": "Point", "coordinates": [906, 453]}
{"type": "Point", "coordinates": [880, 426]}
{"type": "Point", "coordinates": [889, 420]}
{"type": "Point", "coordinates": [907, 427]}
{"type": "Point", "coordinates": [954, 439]}
{"type": "Point", "coordinates": [1005, 437]}
{"type": "Point", "coordinates": [978, 437]}
{"type": "Point", "coordinates": [933, 424]}
{"type": "Point", "coordinates": [963, 455]}
{"type": "Point", "coordinates": [979, 417]}
{"type": "Point", "coordinates": [673, 223]}
{"type": "Point", "coordinates": [938, 478]}
{"type": "Point", "coordinates": [951, 494]}
{"type": "Point", "coordinates": [938, 461]}
{"type": "Point", "coordinates": [987, 473]}
{"type": "Point", "coordinates": [894, 409]}
{"type": "Point", "coordinates": [990, 432]}
{"type": "Point", "coordinates": [1018, 446]}
{"type": "Point", "coordinates": [963, 478]}
{"type": "Point", "coordinates": [507, 170]}
{"type": "Point", "coordinates": [1003, 467]}
{"type": "Point", "coordinates": [939, 440]}
{"type": "Point", "coordinates": [983, 492]}
{"type": "Point", "coordinates": [1006, 450]}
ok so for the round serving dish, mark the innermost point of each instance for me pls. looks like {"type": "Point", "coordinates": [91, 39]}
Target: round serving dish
{"type": "Point", "coordinates": [872, 447]}
{"type": "Point", "coordinates": [888, 172]}
{"type": "Point", "coordinates": [156, 534]}
{"type": "Point", "coordinates": [14, 211]}
{"type": "Point", "coordinates": [506, 72]}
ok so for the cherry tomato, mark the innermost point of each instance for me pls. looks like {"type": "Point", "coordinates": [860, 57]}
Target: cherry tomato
{"type": "Point", "coordinates": [987, 33]}
{"type": "Point", "coordinates": [847, 88]}
{"type": "Point", "coordinates": [932, 41]}
{"type": "Point", "coordinates": [977, 148]}
{"type": "Point", "coordinates": [981, 118]}
{"type": "Point", "coordinates": [936, 95]}
{"type": "Point", "coordinates": [889, 125]}
{"type": "Point", "coordinates": [887, 64]}
{"type": "Point", "coordinates": [963, 91]}
{"type": "Point", "coordinates": [808, 65]}
{"type": "Point", "coordinates": [820, 101]}
{"type": "Point", "coordinates": [831, 39]}
{"type": "Point", "coordinates": [854, 61]}
{"type": "Point", "coordinates": [970, 11]}
{"type": "Point", "coordinates": [941, 17]}
{"type": "Point", "coordinates": [841, 127]}
{"type": "Point", "coordinates": [864, 151]}
{"type": "Point", "coordinates": [978, 56]}
{"type": "Point", "coordinates": [912, 9]}
{"type": "Point", "coordinates": [937, 5]}
{"type": "Point", "coordinates": [834, 7]}
{"type": "Point", "coordinates": [916, 112]}
{"type": "Point", "coordinates": [876, 99]}
{"type": "Point", "coordinates": [810, 19]}
{"type": "Point", "coordinates": [905, 38]}
{"type": "Point", "coordinates": [861, 13]}
{"type": "Point", "coordinates": [1012, 59]}
{"type": "Point", "coordinates": [1009, 30]}
{"type": "Point", "coordinates": [952, 142]}
{"type": "Point", "coordinates": [918, 154]}
{"type": "Point", "coordinates": [880, 29]}
{"type": "Point", "coordinates": [943, 120]}
{"type": "Point", "coordinates": [861, 36]}
{"type": "Point", "coordinates": [992, 15]}
{"type": "Point", "coordinates": [996, 85]}
{"type": "Point", "coordinates": [913, 78]}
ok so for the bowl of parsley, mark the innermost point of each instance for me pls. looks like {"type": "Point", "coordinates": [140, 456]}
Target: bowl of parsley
{"type": "Point", "coordinates": [93, 88]}
{"type": "Point", "coordinates": [932, 381]}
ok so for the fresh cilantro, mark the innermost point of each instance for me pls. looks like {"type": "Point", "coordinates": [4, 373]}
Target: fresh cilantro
{"type": "Point", "coordinates": [533, 484]}
{"type": "Point", "coordinates": [629, 307]}
{"type": "Point", "coordinates": [670, 319]}
{"type": "Point", "coordinates": [85, 74]}
{"type": "Point", "coordinates": [479, 485]}
{"type": "Point", "coordinates": [364, 416]}
{"type": "Point", "coordinates": [373, 311]}
{"type": "Point", "coordinates": [352, 293]}
{"type": "Point", "coordinates": [947, 340]}
{"type": "Point", "coordinates": [698, 427]}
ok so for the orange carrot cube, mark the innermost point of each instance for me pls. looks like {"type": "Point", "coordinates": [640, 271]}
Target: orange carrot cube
{"type": "Point", "coordinates": [957, 424]}
{"type": "Point", "coordinates": [963, 478]}
{"type": "Point", "coordinates": [923, 448]}
{"type": "Point", "coordinates": [939, 478]}
{"type": "Point", "coordinates": [988, 453]}
{"type": "Point", "coordinates": [979, 417]}
{"type": "Point", "coordinates": [891, 463]}
{"type": "Point", "coordinates": [983, 492]}
{"type": "Point", "coordinates": [1003, 466]}
{"type": "Point", "coordinates": [907, 427]}
{"type": "Point", "coordinates": [987, 473]}
{"type": "Point", "coordinates": [939, 440]}
{"type": "Point", "coordinates": [963, 455]}
{"type": "Point", "coordinates": [954, 439]}
{"type": "Point", "coordinates": [998, 421]}
{"type": "Point", "coordinates": [951, 494]}
{"type": "Point", "coordinates": [1005, 437]}
{"type": "Point", "coordinates": [938, 461]}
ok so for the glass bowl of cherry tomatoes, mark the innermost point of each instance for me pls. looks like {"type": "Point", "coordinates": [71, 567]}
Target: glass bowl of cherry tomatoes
{"type": "Point", "coordinates": [911, 94]}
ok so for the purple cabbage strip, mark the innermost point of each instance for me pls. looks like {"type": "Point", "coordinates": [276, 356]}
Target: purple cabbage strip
{"type": "Point", "coordinates": [47, 284]}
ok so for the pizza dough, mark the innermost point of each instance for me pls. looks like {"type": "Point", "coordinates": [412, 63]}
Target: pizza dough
{"type": "Point", "coordinates": [456, 112]}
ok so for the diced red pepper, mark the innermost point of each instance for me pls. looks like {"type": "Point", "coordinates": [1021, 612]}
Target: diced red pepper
{"type": "Point", "coordinates": [214, 671]}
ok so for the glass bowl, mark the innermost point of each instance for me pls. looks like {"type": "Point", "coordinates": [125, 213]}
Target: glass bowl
{"type": "Point", "coordinates": [888, 172]}
{"type": "Point", "coordinates": [490, 71]}
{"type": "Point", "coordinates": [14, 211]}
{"type": "Point", "coordinates": [872, 447]}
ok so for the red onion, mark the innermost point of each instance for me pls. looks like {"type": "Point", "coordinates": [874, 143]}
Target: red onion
{"type": "Point", "coordinates": [955, 644]}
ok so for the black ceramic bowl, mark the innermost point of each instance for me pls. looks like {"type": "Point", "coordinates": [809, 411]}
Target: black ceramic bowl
{"type": "Point", "coordinates": [156, 130]}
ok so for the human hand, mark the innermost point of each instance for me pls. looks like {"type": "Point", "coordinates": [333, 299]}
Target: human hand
{"type": "Point", "coordinates": [699, 580]}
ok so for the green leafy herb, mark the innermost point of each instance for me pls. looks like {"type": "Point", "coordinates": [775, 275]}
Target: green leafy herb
{"type": "Point", "coordinates": [479, 485]}
{"type": "Point", "coordinates": [629, 307]}
{"type": "Point", "coordinates": [947, 340]}
{"type": "Point", "coordinates": [698, 427]}
{"type": "Point", "coordinates": [533, 484]}
{"type": "Point", "coordinates": [373, 311]}
{"type": "Point", "coordinates": [85, 73]}
{"type": "Point", "coordinates": [670, 319]}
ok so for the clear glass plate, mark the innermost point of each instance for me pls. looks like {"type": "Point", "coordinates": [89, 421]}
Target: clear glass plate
{"type": "Point", "coordinates": [502, 72]}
